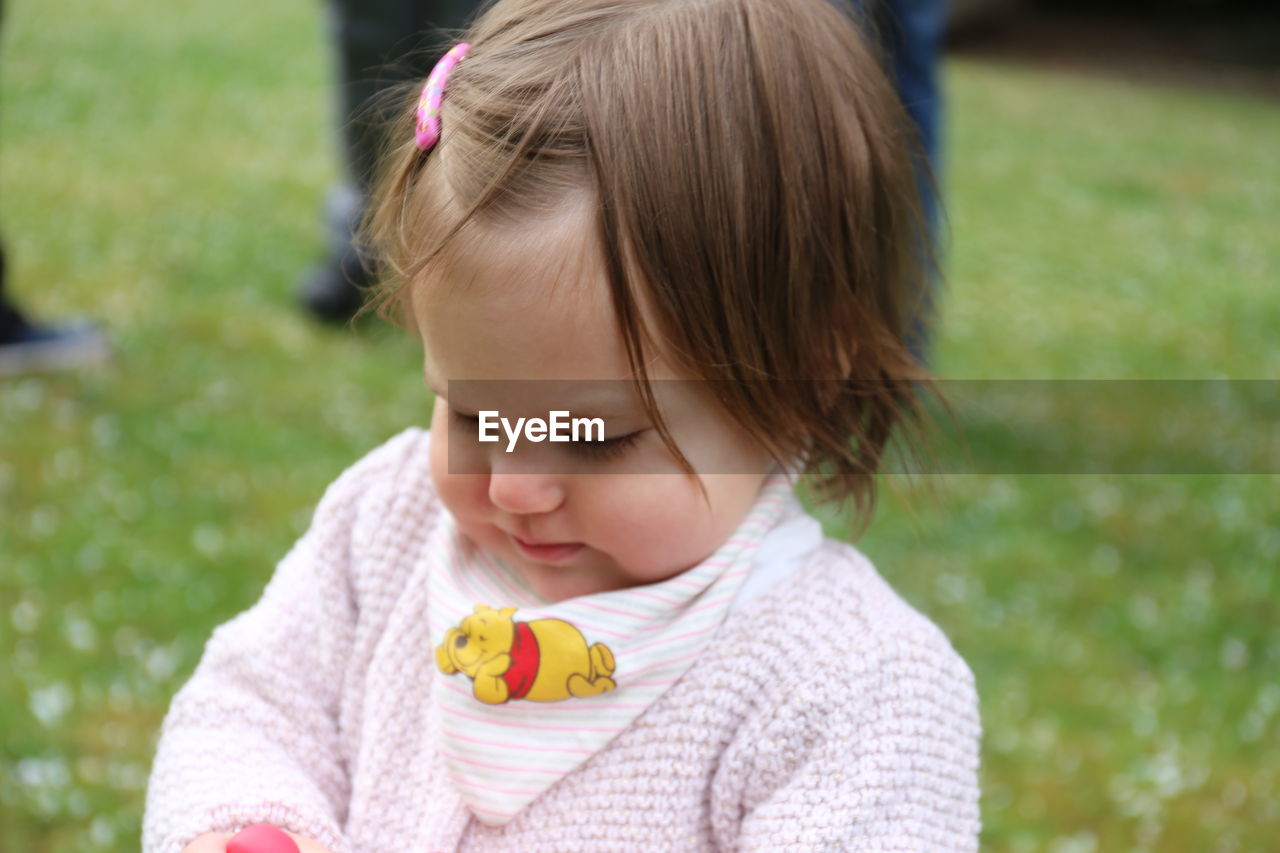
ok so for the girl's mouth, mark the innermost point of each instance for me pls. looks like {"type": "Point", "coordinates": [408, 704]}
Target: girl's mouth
{"type": "Point", "coordinates": [546, 552]}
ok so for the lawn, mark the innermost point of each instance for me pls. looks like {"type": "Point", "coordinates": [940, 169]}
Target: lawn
{"type": "Point", "coordinates": [163, 169]}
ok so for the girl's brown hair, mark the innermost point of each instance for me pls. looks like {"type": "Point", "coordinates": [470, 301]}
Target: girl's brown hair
{"type": "Point", "coordinates": [754, 187]}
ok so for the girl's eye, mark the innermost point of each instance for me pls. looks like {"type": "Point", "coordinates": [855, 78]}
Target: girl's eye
{"type": "Point", "coordinates": [459, 416]}
{"type": "Point", "coordinates": [607, 449]}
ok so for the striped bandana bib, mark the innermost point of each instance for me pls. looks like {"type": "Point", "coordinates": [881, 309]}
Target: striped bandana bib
{"type": "Point", "coordinates": [525, 690]}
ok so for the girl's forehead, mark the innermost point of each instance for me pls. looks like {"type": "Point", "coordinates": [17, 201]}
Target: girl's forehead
{"type": "Point", "coordinates": [536, 306]}
{"type": "Point", "coordinates": [524, 264]}
{"type": "Point", "coordinates": [524, 299]}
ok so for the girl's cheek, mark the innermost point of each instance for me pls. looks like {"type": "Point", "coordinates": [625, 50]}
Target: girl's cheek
{"type": "Point", "coordinates": [465, 495]}
{"type": "Point", "coordinates": [439, 456]}
{"type": "Point", "coordinates": [461, 494]}
{"type": "Point", "coordinates": [646, 512]}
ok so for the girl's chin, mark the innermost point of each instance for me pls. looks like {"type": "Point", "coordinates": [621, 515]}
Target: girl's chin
{"type": "Point", "coordinates": [560, 583]}
{"type": "Point", "coordinates": [582, 577]}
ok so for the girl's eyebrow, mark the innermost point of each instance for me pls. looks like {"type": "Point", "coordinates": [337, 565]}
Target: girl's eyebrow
{"type": "Point", "coordinates": [611, 404]}
{"type": "Point", "coordinates": [609, 407]}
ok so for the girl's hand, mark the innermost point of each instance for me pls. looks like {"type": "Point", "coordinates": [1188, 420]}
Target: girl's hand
{"type": "Point", "coordinates": [306, 845]}
{"type": "Point", "coordinates": [210, 842]}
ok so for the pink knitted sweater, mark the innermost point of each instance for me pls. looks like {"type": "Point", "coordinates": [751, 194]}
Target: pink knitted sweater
{"type": "Point", "coordinates": [827, 715]}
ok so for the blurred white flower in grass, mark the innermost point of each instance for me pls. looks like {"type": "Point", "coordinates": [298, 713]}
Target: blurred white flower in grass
{"type": "Point", "coordinates": [1268, 701]}
{"type": "Point", "coordinates": [1080, 842]}
{"type": "Point", "coordinates": [127, 775]}
{"type": "Point", "coordinates": [1254, 725]}
{"type": "Point", "coordinates": [161, 662]}
{"type": "Point", "coordinates": [1144, 612]}
{"type": "Point", "coordinates": [1105, 560]}
{"type": "Point", "coordinates": [44, 783]}
{"type": "Point", "coordinates": [1234, 654]}
{"type": "Point", "coordinates": [25, 616]}
{"type": "Point", "coordinates": [209, 540]}
{"type": "Point", "coordinates": [106, 431]}
{"type": "Point", "coordinates": [102, 833]}
{"type": "Point", "coordinates": [51, 703]}
{"type": "Point", "coordinates": [25, 397]}
{"type": "Point", "coordinates": [43, 522]}
{"type": "Point", "coordinates": [91, 559]}
{"type": "Point", "coordinates": [1066, 516]}
{"type": "Point", "coordinates": [67, 465]}
{"type": "Point", "coordinates": [1103, 500]}
{"type": "Point", "coordinates": [951, 588]}
{"type": "Point", "coordinates": [1232, 513]}
{"type": "Point", "coordinates": [1234, 793]}
{"type": "Point", "coordinates": [80, 633]}
{"type": "Point", "coordinates": [1269, 542]}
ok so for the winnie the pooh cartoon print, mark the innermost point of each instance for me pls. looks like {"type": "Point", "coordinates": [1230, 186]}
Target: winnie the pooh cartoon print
{"type": "Point", "coordinates": [546, 660]}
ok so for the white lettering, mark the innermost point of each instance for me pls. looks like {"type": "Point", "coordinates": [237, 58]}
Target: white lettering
{"type": "Point", "coordinates": [486, 424]}
{"type": "Point", "coordinates": [558, 424]}
{"type": "Point", "coordinates": [587, 425]}
{"type": "Point", "coordinates": [512, 434]}
{"type": "Point", "coordinates": [559, 427]}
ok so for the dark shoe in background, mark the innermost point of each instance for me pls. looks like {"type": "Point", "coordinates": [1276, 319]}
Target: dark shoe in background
{"type": "Point", "coordinates": [334, 292]}
{"type": "Point", "coordinates": [37, 348]}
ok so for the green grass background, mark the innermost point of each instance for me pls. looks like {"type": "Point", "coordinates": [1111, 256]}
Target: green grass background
{"type": "Point", "coordinates": [162, 169]}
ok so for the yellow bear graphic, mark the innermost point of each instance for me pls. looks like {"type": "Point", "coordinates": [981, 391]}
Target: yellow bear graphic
{"type": "Point", "coordinates": [545, 660]}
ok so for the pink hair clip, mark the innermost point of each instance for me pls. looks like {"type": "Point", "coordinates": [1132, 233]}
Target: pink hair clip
{"type": "Point", "coordinates": [427, 131]}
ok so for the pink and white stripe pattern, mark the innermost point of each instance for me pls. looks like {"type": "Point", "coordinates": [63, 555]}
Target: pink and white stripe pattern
{"type": "Point", "coordinates": [502, 757]}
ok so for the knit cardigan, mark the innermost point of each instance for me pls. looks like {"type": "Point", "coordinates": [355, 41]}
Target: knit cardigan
{"type": "Point", "coordinates": [826, 715]}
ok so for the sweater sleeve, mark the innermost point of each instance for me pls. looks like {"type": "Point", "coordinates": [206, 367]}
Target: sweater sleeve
{"type": "Point", "coordinates": [876, 750]}
{"type": "Point", "coordinates": [253, 736]}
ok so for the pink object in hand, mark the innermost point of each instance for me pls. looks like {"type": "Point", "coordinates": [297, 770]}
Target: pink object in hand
{"type": "Point", "coordinates": [261, 838]}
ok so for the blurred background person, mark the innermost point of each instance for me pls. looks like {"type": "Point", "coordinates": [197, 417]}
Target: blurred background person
{"type": "Point", "coordinates": [911, 35]}
{"type": "Point", "coordinates": [377, 43]}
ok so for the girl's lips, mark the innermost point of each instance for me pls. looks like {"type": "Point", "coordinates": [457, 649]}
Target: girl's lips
{"type": "Point", "coordinates": [553, 552]}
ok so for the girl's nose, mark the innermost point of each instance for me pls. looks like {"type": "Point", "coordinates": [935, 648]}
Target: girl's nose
{"type": "Point", "coordinates": [525, 493]}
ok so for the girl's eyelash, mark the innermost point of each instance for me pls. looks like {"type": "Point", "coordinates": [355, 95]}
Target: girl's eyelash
{"type": "Point", "coordinates": [607, 449]}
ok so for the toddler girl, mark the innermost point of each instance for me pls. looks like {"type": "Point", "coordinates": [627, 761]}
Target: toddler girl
{"type": "Point", "coordinates": [694, 222]}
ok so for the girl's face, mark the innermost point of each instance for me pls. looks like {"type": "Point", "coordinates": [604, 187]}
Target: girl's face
{"type": "Point", "coordinates": [573, 519]}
